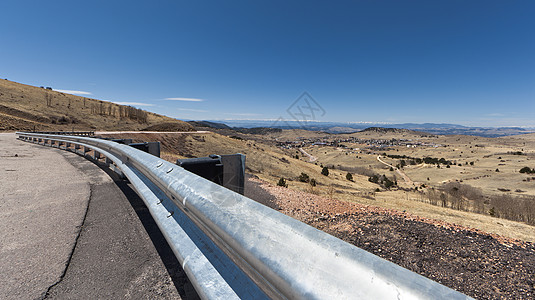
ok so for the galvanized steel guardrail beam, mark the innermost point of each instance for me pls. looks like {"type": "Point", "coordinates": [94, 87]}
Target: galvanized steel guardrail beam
{"type": "Point", "coordinates": [232, 247]}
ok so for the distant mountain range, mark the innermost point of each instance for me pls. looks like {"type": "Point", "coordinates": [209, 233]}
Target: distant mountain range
{"type": "Point", "coordinates": [339, 127]}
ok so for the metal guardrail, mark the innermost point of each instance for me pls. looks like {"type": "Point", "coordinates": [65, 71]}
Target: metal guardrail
{"type": "Point", "coordinates": [80, 133]}
{"type": "Point", "coordinates": [232, 247]}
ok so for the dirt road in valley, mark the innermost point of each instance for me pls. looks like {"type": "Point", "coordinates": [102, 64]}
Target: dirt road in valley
{"type": "Point", "coordinates": [401, 173]}
{"type": "Point", "coordinates": [311, 158]}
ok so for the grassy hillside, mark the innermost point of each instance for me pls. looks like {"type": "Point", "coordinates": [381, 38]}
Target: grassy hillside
{"type": "Point", "coordinates": [271, 163]}
{"type": "Point", "coordinates": [25, 107]}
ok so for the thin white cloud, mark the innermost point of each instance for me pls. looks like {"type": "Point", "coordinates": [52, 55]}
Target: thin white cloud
{"type": "Point", "coordinates": [243, 114]}
{"type": "Point", "coordinates": [73, 92]}
{"type": "Point", "coordinates": [132, 103]}
{"type": "Point", "coordinates": [194, 110]}
{"type": "Point", "coordinates": [184, 99]}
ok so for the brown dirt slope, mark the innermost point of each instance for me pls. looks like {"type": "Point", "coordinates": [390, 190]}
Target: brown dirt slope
{"type": "Point", "coordinates": [481, 265]}
{"type": "Point", "coordinates": [25, 107]}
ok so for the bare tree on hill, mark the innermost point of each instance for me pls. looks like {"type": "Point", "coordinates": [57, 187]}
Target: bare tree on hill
{"type": "Point", "coordinates": [129, 112]}
{"type": "Point", "coordinates": [48, 98]}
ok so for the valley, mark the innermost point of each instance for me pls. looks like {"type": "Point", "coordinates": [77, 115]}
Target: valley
{"type": "Point", "coordinates": [457, 209]}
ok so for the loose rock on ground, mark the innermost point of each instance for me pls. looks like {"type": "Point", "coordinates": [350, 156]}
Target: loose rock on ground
{"type": "Point", "coordinates": [478, 264]}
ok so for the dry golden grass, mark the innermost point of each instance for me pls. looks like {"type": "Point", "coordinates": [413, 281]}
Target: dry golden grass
{"type": "Point", "coordinates": [486, 157]}
{"type": "Point", "coordinates": [25, 107]}
{"type": "Point", "coordinates": [270, 163]}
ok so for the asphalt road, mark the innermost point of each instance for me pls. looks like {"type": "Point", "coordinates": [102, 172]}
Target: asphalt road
{"type": "Point", "coordinates": [69, 231]}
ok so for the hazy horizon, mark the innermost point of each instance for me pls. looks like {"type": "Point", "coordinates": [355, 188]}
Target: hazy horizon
{"type": "Point", "coordinates": [354, 122]}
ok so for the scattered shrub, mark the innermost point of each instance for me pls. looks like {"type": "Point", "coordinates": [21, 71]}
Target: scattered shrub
{"type": "Point", "coordinates": [382, 180]}
{"type": "Point", "coordinates": [388, 183]}
{"type": "Point", "coordinates": [282, 182]}
{"type": "Point", "coordinates": [527, 170]}
{"type": "Point", "coordinates": [304, 177]}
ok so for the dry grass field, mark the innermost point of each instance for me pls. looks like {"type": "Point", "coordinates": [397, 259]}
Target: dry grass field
{"type": "Point", "coordinates": [25, 107]}
{"type": "Point", "coordinates": [271, 163]}
{"type": "Point", "coordinates": [487, 155]}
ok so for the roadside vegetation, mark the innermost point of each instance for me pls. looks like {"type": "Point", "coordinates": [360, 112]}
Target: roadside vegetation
{"type": "Point", "coordinates": [464, 197]}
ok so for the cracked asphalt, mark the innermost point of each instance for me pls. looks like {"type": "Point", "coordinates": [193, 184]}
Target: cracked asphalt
{"type": "Point", "coordinates": [70, 231]}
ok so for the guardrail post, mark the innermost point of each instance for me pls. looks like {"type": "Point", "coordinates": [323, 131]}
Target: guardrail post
{"type": "Point", "coordinates": [234, 172]}
{"type": "Point", "coordinates": [86, 149]}
{"type": "Point", "coordinates": [96, 155]}
{"type": "Point", "coordinates": [154, 148]}
{"type": "Point", "coordinates": [149, 147]}
{"type": "Point", "coordinates": [225, 170]}
{"type": "Point", "coordinates": [118, 171]}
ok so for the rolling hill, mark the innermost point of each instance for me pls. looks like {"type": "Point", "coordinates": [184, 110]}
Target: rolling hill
{"type": "Point", "coordinates": [26, 107]}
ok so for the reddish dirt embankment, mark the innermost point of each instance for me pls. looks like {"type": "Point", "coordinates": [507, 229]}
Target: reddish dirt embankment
{"type": "Point", "coordinates": [481, 265]}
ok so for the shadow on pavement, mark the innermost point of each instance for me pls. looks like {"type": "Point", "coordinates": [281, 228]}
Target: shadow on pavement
{"type": "Point", "coordinates": [177, 274]}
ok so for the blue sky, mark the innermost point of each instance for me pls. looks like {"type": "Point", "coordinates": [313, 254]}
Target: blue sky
{"type": "Point", "coordinates": [464, 62]}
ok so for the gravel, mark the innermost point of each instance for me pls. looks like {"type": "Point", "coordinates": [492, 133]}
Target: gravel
{"type": "Point", "coordinates": [478, 264]}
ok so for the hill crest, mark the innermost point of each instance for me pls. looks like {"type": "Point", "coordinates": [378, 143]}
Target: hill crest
{"type": "Point", "coordinates": [26, 107]}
